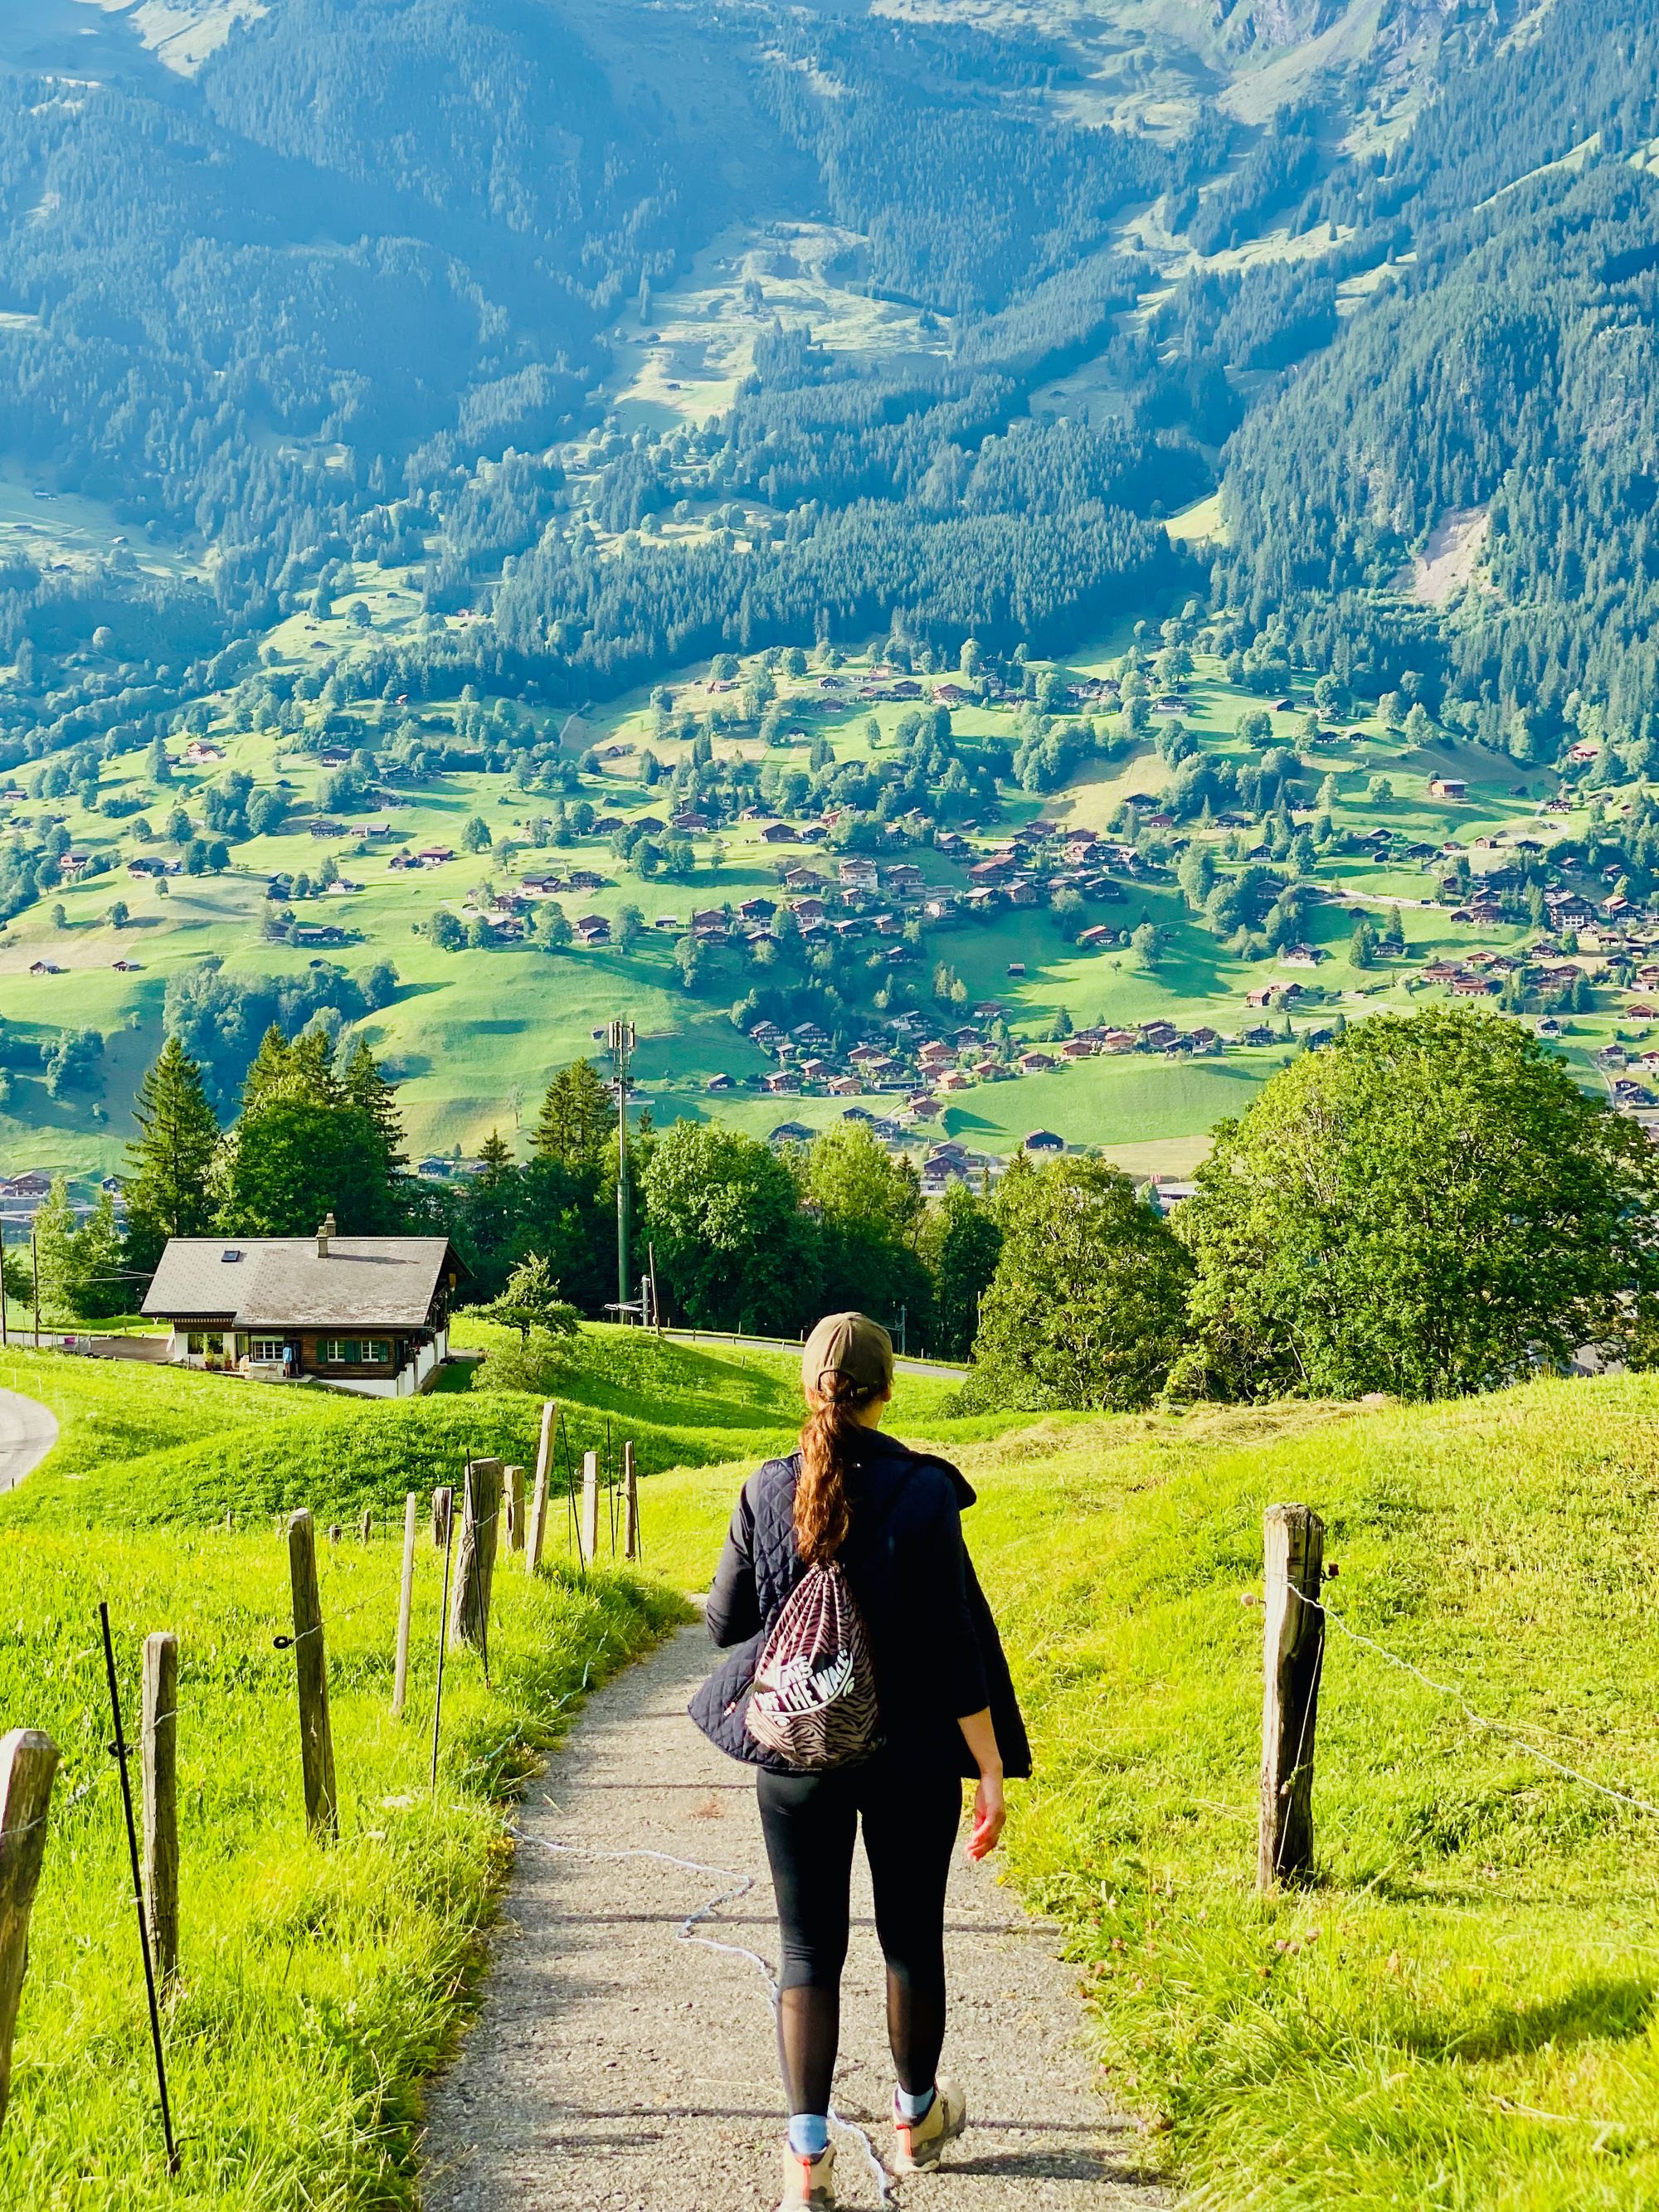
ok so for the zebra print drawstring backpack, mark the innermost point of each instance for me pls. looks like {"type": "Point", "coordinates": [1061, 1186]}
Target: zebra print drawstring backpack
{"type": "Point", "coordinates": [814, 1698]}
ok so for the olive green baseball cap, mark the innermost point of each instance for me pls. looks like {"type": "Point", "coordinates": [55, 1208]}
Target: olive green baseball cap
{"type": "Point", "coordinates": [850, 1344]}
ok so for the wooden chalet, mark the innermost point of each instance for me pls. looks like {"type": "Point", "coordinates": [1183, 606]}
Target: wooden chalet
{"type": "Point", "coordinates": [367, 1314]}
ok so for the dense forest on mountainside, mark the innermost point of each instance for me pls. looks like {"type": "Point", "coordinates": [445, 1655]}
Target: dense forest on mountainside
{"type": "Point", "coordinates": [1509, 363]}
{"type": "Point", "coordinates": [357, 297]}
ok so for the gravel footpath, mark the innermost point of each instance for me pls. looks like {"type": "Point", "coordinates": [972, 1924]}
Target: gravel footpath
{"type": "Point", "coordinates": [614, 2069]}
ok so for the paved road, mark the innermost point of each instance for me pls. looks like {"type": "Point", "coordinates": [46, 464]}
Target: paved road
{"type": "Point", "coordinates": [615, 2068]}
{"type": "Point", "coordinates": [28, 1433]}
{"type": "Point", "coordinates": [942, 1369]}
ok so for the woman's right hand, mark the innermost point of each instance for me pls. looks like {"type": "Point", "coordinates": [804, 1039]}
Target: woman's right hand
{"type": "Point", "coordinates": [989, 1813]}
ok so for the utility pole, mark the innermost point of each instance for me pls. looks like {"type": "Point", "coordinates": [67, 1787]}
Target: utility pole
{"type": "Point", "coordinates": [34, 1260]}
{"type": "Point", "coordinates": [620, 1037]}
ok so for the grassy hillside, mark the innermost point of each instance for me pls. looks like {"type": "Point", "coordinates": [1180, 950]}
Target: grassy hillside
{"type": "Point", "coordinates": [141, 1447]}
{"type": "Point", "coordinates": [1459, 2012]}
{"type": "Point", "coordinates": [318, 1986]}
{"type": "Point", "coordinates": [474, 1034]}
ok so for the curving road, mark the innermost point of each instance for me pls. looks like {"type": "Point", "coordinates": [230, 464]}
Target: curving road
{"type": "Point", "coordinates": [28, 1433]}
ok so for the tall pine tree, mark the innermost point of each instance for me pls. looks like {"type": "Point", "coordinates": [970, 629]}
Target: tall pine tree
{"type": "Point", "coordinates": [171, 1157]}
{"type": "Point", "coordinates": [365, 1086]}
{"type": "Point", "coordinates": [577, 1117]}
{"type": "Point", "coordinates": [310, 1142]}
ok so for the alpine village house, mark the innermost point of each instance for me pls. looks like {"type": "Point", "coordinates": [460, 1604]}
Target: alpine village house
{"type": "Point", "coordinates": [368, 1313]}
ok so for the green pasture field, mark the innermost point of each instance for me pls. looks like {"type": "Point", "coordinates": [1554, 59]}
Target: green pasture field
{"type": "Point", "coordinates": [143, 1447]}
{"type": "Point", "coordinates": [1459, 2010]}
{"type": "Point", "coordinates": [473, 1035]}
{"type": "Point", "coordinates": [319, 1985]}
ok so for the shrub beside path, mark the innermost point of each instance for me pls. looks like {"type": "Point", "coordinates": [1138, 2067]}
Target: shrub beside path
{"type": "Point", "coordinates": [615, 2068]}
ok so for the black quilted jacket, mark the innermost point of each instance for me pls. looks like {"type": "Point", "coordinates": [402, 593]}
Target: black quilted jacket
{"type": "Point", "coordinates": [933, 1643]}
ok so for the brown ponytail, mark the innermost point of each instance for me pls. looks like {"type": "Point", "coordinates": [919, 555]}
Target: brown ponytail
{"type": "Point", "coordinates": [822, 1515]}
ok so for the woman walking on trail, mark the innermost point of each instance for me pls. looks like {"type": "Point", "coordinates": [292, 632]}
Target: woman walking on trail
{"type": "Point", "coordinates": [869, 1680]}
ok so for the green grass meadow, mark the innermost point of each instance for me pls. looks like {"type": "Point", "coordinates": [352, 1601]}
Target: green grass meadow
{"type": "Point", "coordinates": [319, 1985]}
{"type": "Point", "coordinates": [1461, 2010]}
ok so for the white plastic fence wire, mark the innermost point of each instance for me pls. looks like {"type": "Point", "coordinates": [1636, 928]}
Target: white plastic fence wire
{"type": "Point", "coordinates": [1517, 1734]}
{"type": "Point", "coordinates": [741, 1886]}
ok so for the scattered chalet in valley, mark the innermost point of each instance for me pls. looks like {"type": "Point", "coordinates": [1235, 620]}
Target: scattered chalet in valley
{"type": "Point", "coordinates": [368, 1313]}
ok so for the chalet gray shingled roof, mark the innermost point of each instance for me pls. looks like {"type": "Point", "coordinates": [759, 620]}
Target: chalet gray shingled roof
{"type": "Point", "coordinates": [365, 1282]}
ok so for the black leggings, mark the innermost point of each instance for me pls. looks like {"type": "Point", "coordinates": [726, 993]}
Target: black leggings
{"type": "Point", "coordinates": [911, 1822]}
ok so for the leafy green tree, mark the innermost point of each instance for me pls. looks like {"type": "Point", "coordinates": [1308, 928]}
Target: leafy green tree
{"type": "Point", "coordinates": [532, 1300]}
{"type": "Point", "coordinates": [445, 930]}
{"type": "Point", "coordinates": [18, 1275]}
{"type": "Point", "coordinates": [475, 834]}
{"type": "Point", "coordinates": [628, 928]}
{"type": "Point", "coordinates": [292, 1162]}
{"type": "Point", "coordinates": [959, 1244]}
{"type": "Point", "coordinates": [171, 1159]}
{"type": "Point", "coordinates": [83, 1276]}
{"type": "Point", "coordinates": [103, 1285]}
{"type": "Point", "coordinates": [1429, 1207]}
{"type": "Point", "coordinates": [868, 1204]}
{"type": "Point", "coordinates": [1086, 1306]}
{"type": "Point", "coordinates": [692, 958]}
{"type": "Point", "coordinates": [57, 1266]}
{"type": "Point", "coordinates": [1362, 946]}
{"type": "Point", "coordinates": [733, 1248]}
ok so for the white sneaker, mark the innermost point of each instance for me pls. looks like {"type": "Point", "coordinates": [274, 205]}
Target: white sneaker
{"type": "Point", "coordinates": [808, 2181]}
{"type": "Point", "coordinates": [921, 2142]}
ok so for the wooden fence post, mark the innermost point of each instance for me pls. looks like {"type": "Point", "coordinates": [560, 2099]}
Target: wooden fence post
{"type": "Point", "coordinates": [443, 1505]}
{"type": "Point", "coordinates": [28, 1761]}
{"type": "Point", "coordinates": [538, 1530]}
{"type": "Point", "coordinates": [475, 1555]}
{"type": "Point", "coordinates": [590, 1521]}
{"type": "Point", "coordinates": [405, 1601]}
{"type": "Point", "coordinates": [513, 1482]}
{"type": "Point", "coordinates": [311, 1668]}
{"type": "Point", "coordinates": [1293, 1654]}
{"type": "Point", "coordinates": [158, 1747]}
{"type": "Point", "coordinates": [630, 1505]}
{"type": "Point", "coordinates": [367, 1531]}
{"type": "Point", "coordinates": [334, 1534]}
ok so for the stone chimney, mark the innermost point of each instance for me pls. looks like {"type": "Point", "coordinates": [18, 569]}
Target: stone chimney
{"type": "Point", "coordinates": [323, 1236]}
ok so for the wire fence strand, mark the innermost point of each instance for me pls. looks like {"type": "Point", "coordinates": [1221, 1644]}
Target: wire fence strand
{"type": "Point", "coordinates": [1476, 1720]}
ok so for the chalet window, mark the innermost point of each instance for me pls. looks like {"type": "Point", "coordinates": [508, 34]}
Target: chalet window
{"type": "Point", "coordinates": [356, 1352]}
{"type": "Point", "coordinates": [266, 1348]}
